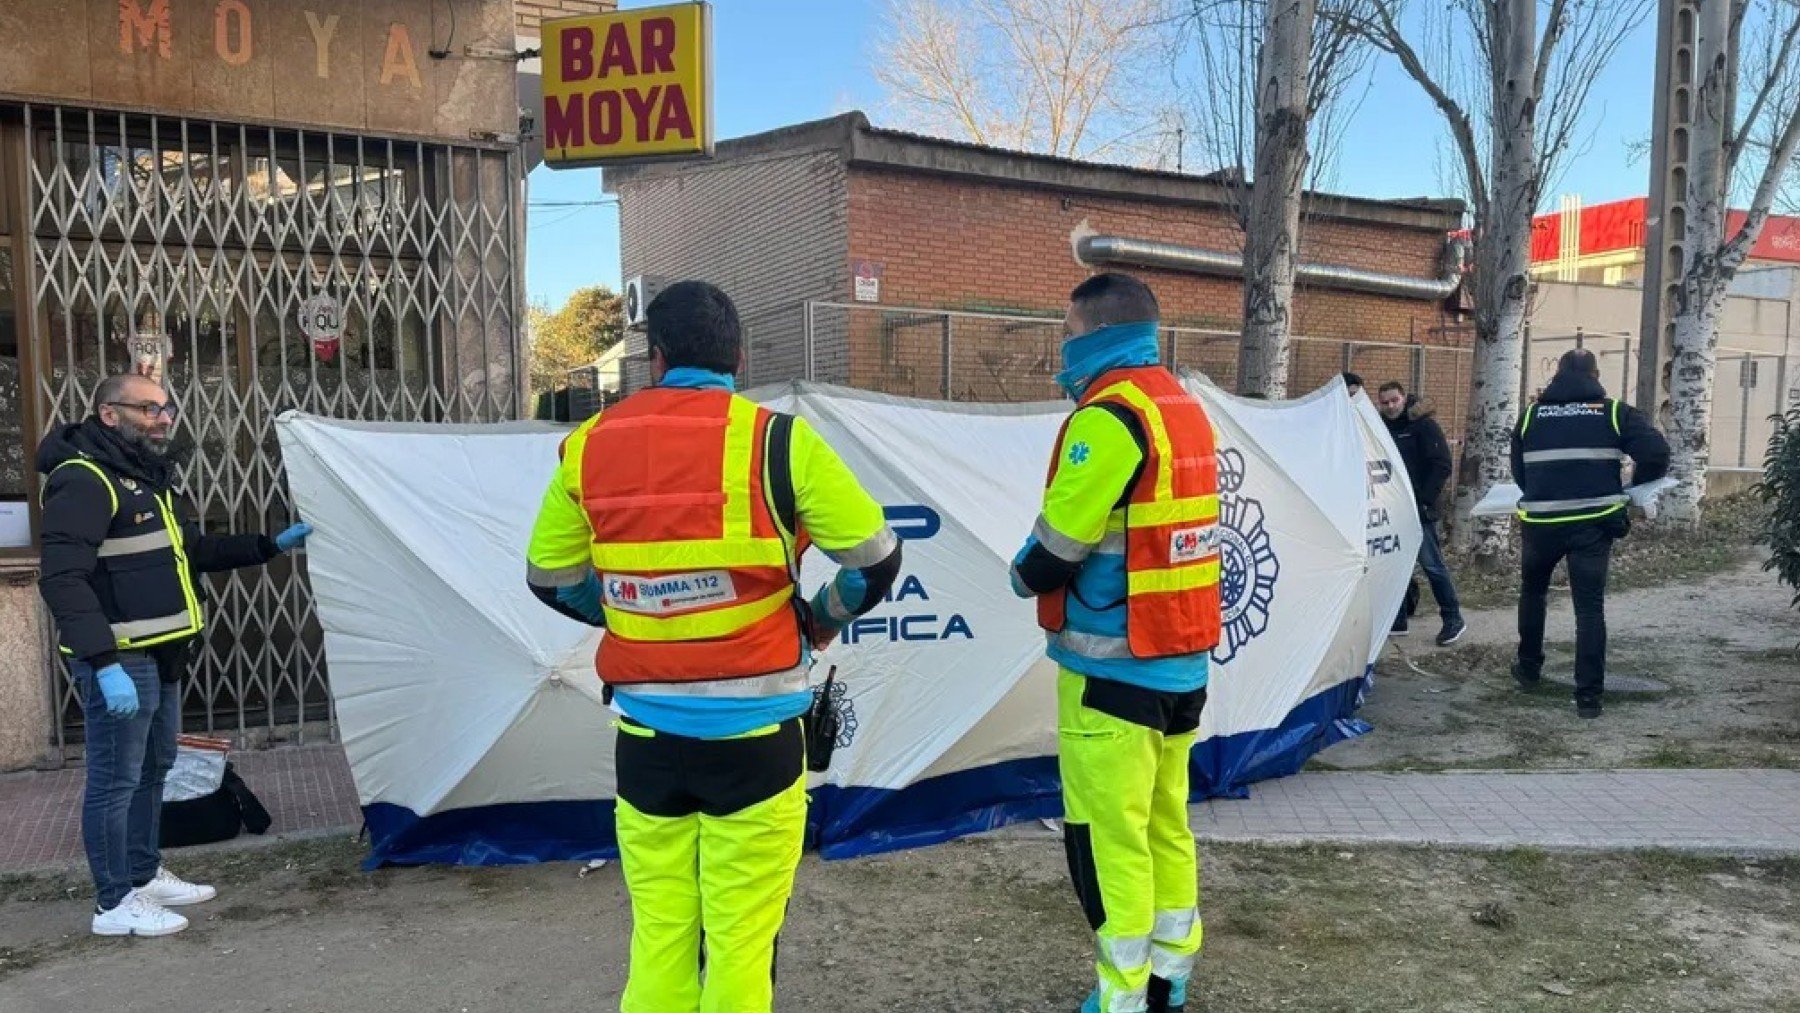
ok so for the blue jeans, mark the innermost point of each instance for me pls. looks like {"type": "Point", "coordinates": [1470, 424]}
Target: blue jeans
{"type": "Point", "coordinates": [1437, 573]}
{"type": "Point", "coordinates": [127, 760]}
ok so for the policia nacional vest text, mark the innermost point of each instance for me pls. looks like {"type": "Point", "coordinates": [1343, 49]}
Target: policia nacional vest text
{"type": "Point", "coordinates": [1572, 454]}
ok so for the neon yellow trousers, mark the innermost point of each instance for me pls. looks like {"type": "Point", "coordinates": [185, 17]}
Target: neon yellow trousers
{"type": "Point", "coordinates": [709, 889]}
{"type": "Point", "coordinates": [1123, 754]}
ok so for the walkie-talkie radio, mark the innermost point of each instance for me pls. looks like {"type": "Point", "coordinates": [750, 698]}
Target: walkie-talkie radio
{"type": "Point", "coordinates": [822, 725]}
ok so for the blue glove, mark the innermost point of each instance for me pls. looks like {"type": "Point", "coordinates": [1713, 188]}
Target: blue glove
{"type": "Point", "coordinates": [293, 537]}
{"type": "Point", "coordinates": [120, 692]}
{"type": "Point", "coordinates": [584, 600]}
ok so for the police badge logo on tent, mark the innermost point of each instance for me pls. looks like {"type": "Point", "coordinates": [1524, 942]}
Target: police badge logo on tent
{"type": "Point", "coordinates": [1248, 566]}
{"type": "Point", "coordinates": [842, 708]}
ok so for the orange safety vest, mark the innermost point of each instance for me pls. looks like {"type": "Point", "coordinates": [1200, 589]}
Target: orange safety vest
{"type": "Point", "coordinates": [1169, 522]}
{"type": "Point", "coordinates": [698, 571]}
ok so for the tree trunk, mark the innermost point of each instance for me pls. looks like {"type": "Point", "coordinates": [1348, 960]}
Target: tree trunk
{"type": "Point", "coordinates": [1502, 277]}
{"type": "Point", "coordinates": [1701, 299]}
{"type": "Point", "coordinates": [1272, 226]}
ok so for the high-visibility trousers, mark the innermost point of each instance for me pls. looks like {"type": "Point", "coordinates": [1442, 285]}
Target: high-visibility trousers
{"type": "Point", "coordinates": [1123, 754]}
{"type": "Point", "coordinates": [710, 832]}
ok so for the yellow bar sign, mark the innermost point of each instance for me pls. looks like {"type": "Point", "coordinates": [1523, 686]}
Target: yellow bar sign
{"type": "Point", "coordinates": [630, 86]}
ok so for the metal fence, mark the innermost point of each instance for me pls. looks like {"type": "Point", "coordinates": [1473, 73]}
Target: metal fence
{"type": "Point", "coordinates": [970, 355]}
{"type": "Point", "coordinates": [1748, 387]}
{"type": "Point", "coordinates": [214, 235]}
{"type": "Point", "coordinates": [975, 355]}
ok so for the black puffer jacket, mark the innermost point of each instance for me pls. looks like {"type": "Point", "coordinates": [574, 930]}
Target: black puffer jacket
{"type": "Point", "coordinates": [1425, 452]}
{"type": "Point", "coordinates": [87, 594]}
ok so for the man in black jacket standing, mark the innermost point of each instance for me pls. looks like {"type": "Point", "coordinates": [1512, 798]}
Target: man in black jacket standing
{"type": "Point", "coordinates": [119, 562]}
{"type": "Point", "coordinates": [1568, 453]}
{"type": "Point", "coordinates": [1426, 455]}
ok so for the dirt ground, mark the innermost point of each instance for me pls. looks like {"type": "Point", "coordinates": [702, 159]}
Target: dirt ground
{"type": "Point", "coordinates": [1655, 554]}
{"type": "Point", "coordinates": [984, 924]}
{"type": "Point", "coordinates": [1725, 645]}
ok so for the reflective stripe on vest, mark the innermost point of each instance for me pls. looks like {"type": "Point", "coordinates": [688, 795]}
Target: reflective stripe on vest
{"type": "Point", "coordinates": [1550, 505]}
{"type": "Point", "coordinates": [1167, 529]}
{"type": "Point", "coordinates": [777, 684]}
{"type": "Point", "coordinates": [1573, 454]}
{"type": "Point", "coordinates": [1576, 477]}
{"type": "Point", "coordinates": [697, 574]}
{"type": "Point", "coordinates": [134, 544]}
{"type": "Point", "coordinates": [196, 618]}
{"type": "Point", "coordinates": [135, 634]}
{"type": "Point", "coordinates": [138, 632]}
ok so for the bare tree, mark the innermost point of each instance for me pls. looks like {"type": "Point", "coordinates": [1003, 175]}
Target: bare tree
{"type": "Point", "coordinates": [1298, 69]}
{"type": "Point", "coordinates": [1215, 60]}
{"type": "Point", "coordinates": [1060, 77]}
{"type": "Point", "coordinates": [1272, 228]}
{"type": "Point", "coordinates": [1768, 131]}
{"type": "Point", "coordinates": [1514, 101]}
{"type": "Point", "coordinates": [1268, 82]}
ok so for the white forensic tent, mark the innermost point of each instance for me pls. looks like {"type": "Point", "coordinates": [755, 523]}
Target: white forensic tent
{"type": "Point", "coordinates": [474, 722]}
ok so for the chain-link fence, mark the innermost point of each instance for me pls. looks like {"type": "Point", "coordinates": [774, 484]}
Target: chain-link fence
{"type": "Point", "coordinates": [969, 355]}
{"type": "Point", "coordinates": [975, 355]}
{"type": "Point", "coordinates": [1749, 386]}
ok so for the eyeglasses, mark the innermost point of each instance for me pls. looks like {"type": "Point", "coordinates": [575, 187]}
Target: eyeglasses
{"type": "Point", "coordinates": [151, 409]}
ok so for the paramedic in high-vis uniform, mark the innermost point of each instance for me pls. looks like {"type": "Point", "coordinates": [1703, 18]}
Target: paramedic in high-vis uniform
{"type": "Point", "coordinates": [1124, 562]}
{"type": "Point", "coordinates": [677, 520]}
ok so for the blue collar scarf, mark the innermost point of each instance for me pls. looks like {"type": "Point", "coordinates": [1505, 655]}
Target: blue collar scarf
{"type": "Point", "coordinates": [694, 378]}
{"type": "Point", "coordinates": [1115, 346]}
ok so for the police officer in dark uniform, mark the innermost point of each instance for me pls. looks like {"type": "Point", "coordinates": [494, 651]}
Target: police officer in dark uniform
{"type": "Point", "coordinates": [1568, 453]}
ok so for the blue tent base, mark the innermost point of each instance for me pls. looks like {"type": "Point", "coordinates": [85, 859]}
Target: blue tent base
{"type": "Point", "coordinates": [507, 834]}
{"type": "Point", "coordinates": [850, 822]}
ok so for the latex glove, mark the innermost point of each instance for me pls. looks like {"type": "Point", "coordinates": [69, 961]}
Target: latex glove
{"type": "Point", "coordinates": [584, 599]}
{"type": "Point", "coordinates": [118, 689]}
{"type": "Point", "coordinates": [293, 537]}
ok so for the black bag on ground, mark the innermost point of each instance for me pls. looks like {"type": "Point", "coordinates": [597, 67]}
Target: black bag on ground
{"type": "Point", "coordinates": [219, 816]}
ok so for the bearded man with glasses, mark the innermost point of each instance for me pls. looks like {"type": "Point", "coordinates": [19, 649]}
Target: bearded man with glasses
{"type": "Point", "coordinates": [120, 551]}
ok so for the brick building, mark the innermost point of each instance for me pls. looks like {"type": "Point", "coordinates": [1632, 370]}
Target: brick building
{"type": "Point", "coordinates": [933, 268]}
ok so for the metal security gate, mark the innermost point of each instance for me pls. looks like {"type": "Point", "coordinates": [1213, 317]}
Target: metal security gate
{"type": "Point", "coordinates": [211, 237]}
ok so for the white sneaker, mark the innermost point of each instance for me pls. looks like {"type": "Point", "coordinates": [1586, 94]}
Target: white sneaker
{"type": "Point", "coordinates": [138, 915]}
{"type": "Point", "coordinates": [170, 890]}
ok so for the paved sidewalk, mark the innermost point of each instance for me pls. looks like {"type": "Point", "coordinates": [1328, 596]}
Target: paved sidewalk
{"type": "Point", "coordinates": [305, 788]}
{"type": "Point", "coordinates": [1736, 811]}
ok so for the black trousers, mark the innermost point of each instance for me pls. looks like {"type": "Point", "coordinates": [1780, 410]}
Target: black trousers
{"type": "Point", "coordinates": [1587, 545]}
{"type": "Point", "coordinates": [673, 775]}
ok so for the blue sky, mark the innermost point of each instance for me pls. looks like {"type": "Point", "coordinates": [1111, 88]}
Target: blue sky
{"type": "Point", "coordinates": [778, 62]}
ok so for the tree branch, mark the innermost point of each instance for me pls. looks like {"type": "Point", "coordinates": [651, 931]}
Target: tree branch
{"type": "Point", "coordinates": [1553, 31]}
{"type": "Point", "coordinates": [1462, 131]}
{"type": "Point", "coordinates": [1733, 253]}
{"type": "Point", "coordinates": [1735, 146]}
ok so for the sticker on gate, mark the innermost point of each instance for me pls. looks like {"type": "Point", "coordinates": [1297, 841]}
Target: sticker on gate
{"type": "Point", "coordinates": [1189, 544]}
{"type": "Point", "coordinates": [659, 595]}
